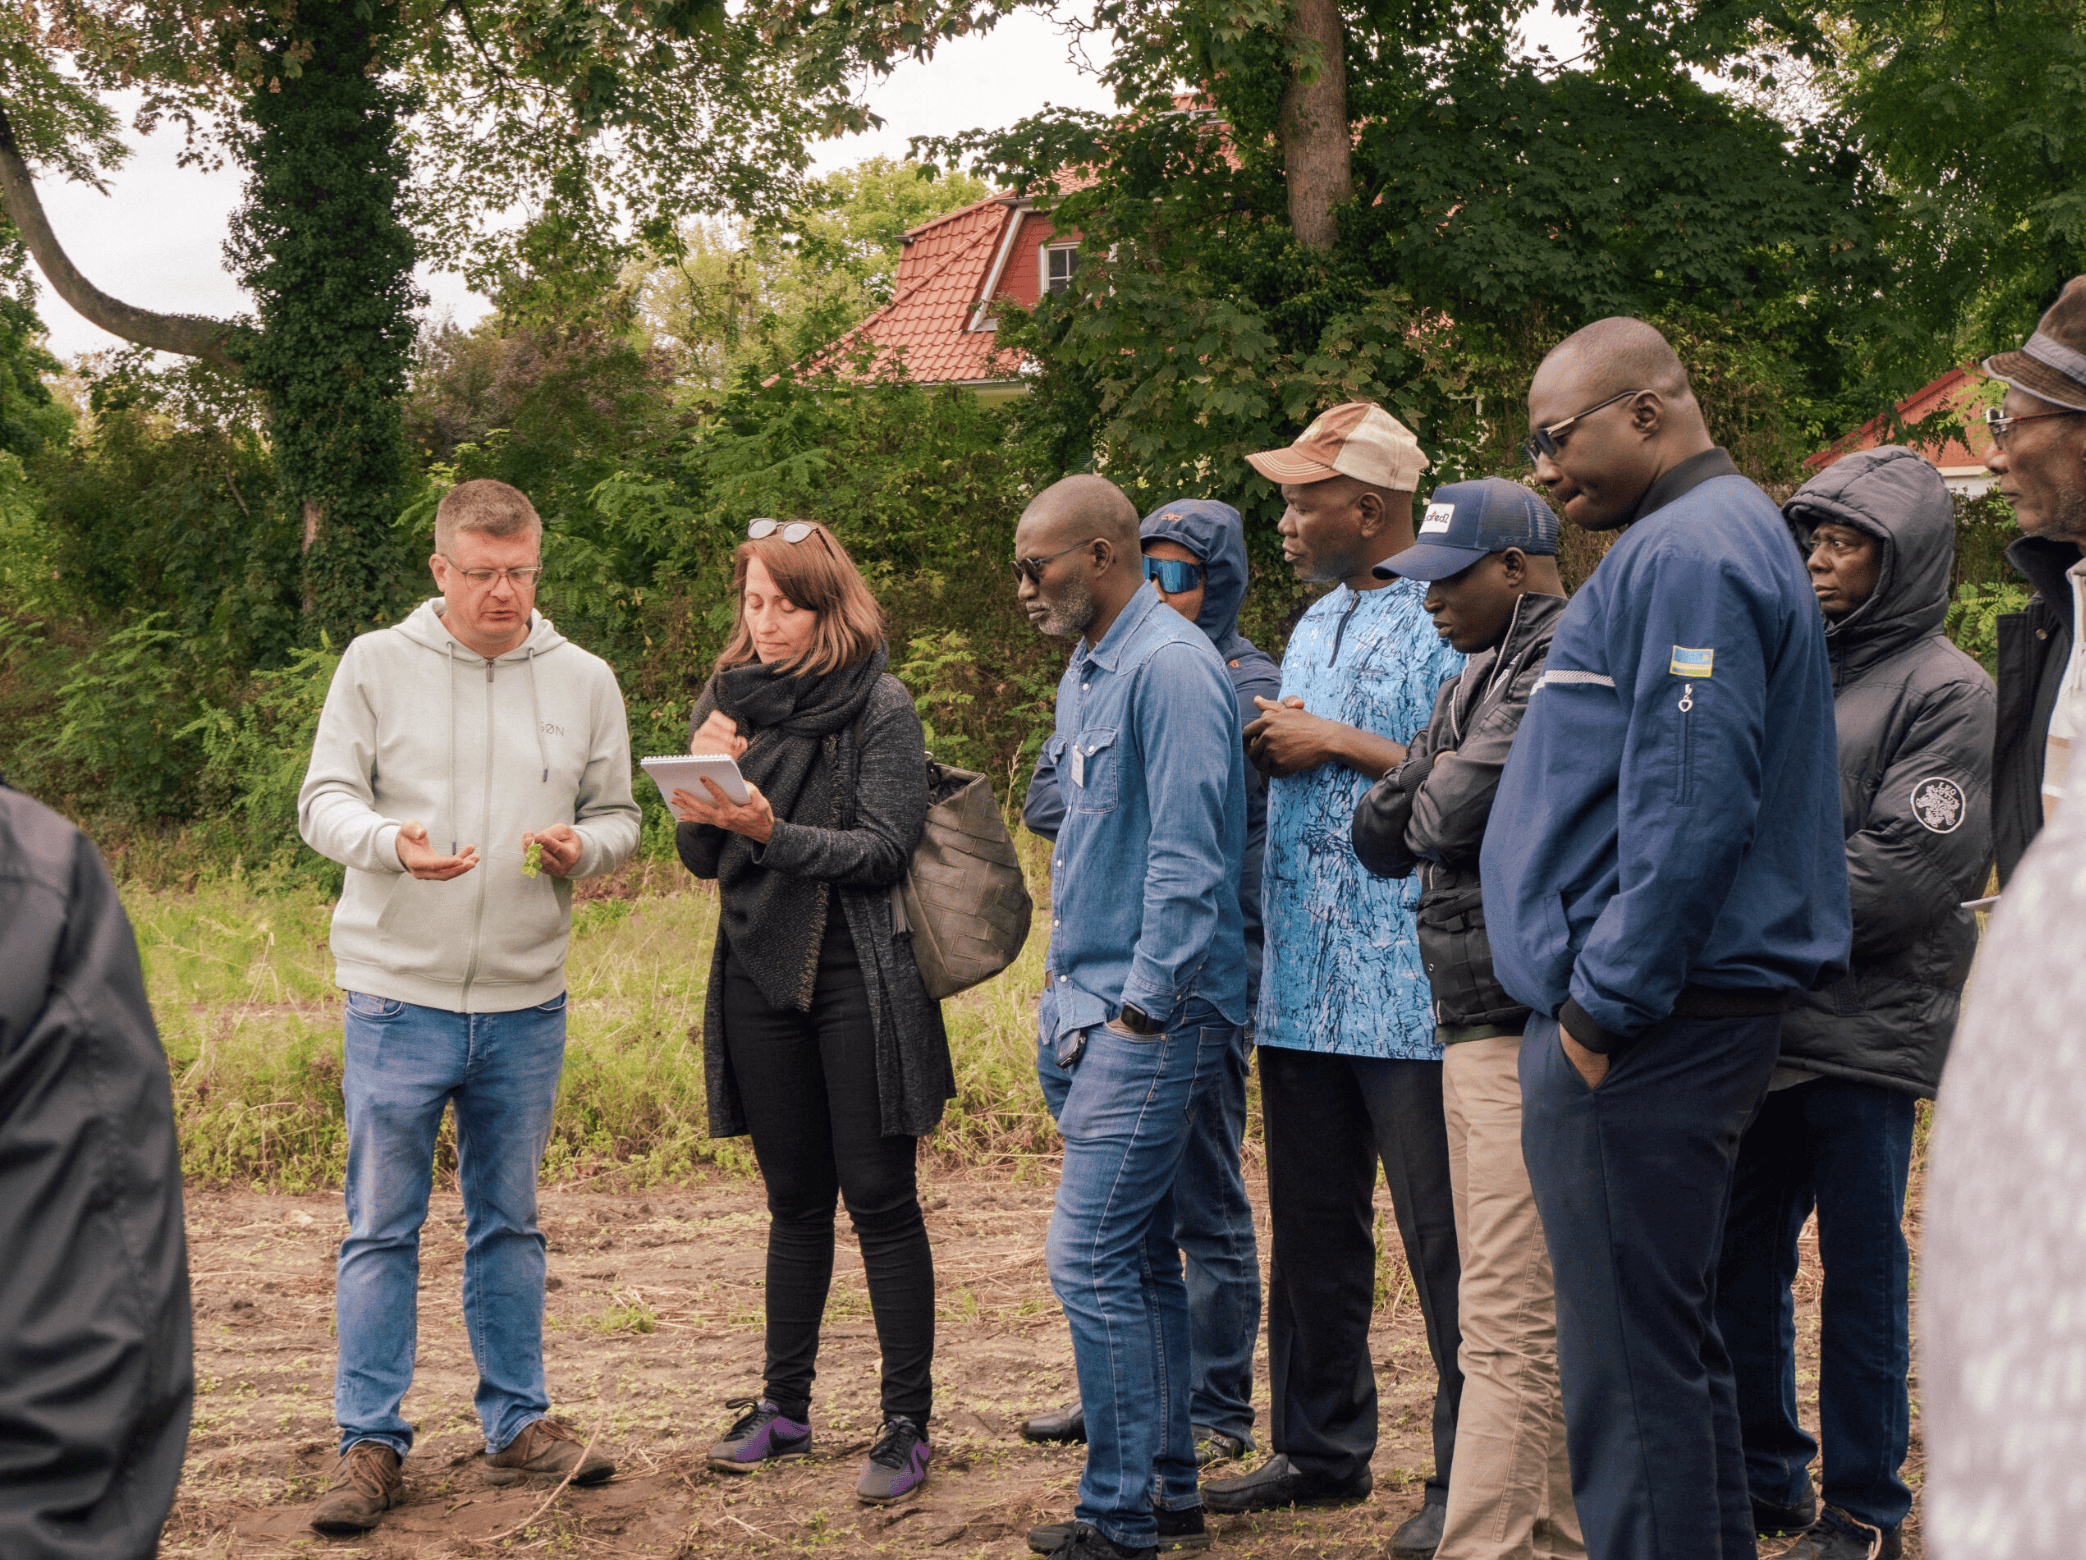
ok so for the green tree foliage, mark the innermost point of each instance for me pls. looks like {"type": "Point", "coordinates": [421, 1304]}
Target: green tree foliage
{"type": "Point", "coordinates": [320, 246]}
{"type": "Point", "coordinates": [1975, 114]}
{"type": "Point", "coordinates": [1499, 202]}
{"type": "Point", "coordinates": [741, 294]}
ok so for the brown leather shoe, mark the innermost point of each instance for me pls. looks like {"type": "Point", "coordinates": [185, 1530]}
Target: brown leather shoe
{"type": "Point", "coordinates": [545, 1448]}
{"type": "Point", "coordinates": [366, 1484]}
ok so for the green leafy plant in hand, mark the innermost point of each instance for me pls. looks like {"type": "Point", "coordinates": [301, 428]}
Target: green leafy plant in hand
{"type": "Point", "coordinates": [532, 857]}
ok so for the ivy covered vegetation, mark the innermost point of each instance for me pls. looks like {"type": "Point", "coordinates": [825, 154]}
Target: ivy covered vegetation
{"type": "Point", "coordinates": [1296, 202]}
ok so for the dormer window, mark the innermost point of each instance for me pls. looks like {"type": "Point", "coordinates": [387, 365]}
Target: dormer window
{"type": "Point", "coordinates": [1059, 262]}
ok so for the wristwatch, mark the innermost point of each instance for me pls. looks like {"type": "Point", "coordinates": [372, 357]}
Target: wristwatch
{"type": "Point", "coordinates": [1137, 1020]}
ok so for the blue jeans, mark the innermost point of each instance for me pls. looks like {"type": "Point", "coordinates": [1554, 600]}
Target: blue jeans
{"type": "Point", "coordinates": [404, 1065]}
{"type": "Point", "coordinates": [1122, 1107]}
{"type": "Point", "coordinates": [1213, 1226]}
{"type": "Point", "coordinates": [1632, 1179]}
{"type": "Point", "coordinates": [1846, 1149]}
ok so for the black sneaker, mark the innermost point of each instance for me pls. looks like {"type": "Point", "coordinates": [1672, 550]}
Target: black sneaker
{"type": "Point", "coordinates": [1838, 1536]}
{"type": "Point", "coordinates": [1178, 1530]}
{"type": "Point", "coordinates": [1278, 1482]}
{"type": "Point", "coordinates": [1083, 1542]}
{"type": "Point", "coordinates": [1215, 1446]}
{"type": "Point", "coordinates": [762, 1434]}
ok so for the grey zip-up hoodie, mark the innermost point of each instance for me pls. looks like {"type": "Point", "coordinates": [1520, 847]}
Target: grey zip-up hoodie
{"type": "Point", "coordinates": [416, 726]}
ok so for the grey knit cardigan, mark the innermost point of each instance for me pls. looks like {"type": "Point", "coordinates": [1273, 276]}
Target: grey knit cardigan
{"type": "Point", "coordinates": [914, 1076]}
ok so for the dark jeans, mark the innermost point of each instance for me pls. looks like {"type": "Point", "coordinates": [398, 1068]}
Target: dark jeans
{"type": "Point", "coordinates": [808, 1082]}
{"type": "Point", "coordinates": [1844, 1148]}
{"type": "Point", "coordinates": [1213, 1226]}
{"type": "Point", "coordinates": [1632, 1180]}
{"type": "Point", "coordinates": [1328, 1120]}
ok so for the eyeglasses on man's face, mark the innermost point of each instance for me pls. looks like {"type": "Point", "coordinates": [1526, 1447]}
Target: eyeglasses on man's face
{"type": "Point", "coordinates": [1550, 440]}
{"type": "Point", "coordinates": [1999, 425]}
{"type": "Point", "coordinates": [1031, 569]}
{"type": "Point", "coordinates": [524, 578]}
{"type": "Point", "coordinates": [1175, 576]}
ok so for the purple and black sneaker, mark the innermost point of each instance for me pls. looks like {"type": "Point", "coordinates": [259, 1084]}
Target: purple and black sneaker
{"type": "Point", "coordinates": [762, 1434]}
{"type": "Point", "coordinates": [897, 1463]}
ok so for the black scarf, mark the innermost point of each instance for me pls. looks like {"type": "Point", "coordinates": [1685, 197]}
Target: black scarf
{"type": "Point", "coordinates": [800, 732]}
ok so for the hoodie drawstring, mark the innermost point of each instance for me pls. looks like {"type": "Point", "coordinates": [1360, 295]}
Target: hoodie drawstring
{"type": "Point", "coordinates": [536, 719]}
{"type": "Point", "coordinates": [449, 658]}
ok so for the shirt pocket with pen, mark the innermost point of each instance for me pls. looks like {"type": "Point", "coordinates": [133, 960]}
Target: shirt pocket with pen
{"type": "Point", "coordinates": [1090, 765]}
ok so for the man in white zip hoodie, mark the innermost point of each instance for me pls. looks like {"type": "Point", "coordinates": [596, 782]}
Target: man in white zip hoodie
{"type": "Point", "coordinates": [469, 764]}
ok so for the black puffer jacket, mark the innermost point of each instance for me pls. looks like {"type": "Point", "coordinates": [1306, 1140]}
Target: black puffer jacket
{"type": "Point", "coordinates": [1430, 813]}
{"type": "Point", "coordinates": [1915, 718]}
{"type": "Point", "coordinates": [2034, 646]}
{"type": "Point", "coordinates": [97, 1372]}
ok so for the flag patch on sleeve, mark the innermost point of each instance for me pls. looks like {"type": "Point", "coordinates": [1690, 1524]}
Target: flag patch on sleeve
{"type": "Point", "coordinates": [1692, 663]}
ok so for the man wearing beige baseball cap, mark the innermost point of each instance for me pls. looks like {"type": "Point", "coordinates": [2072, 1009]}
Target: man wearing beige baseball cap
{"type": "Point", "coordinates": [1349, 1069]}
{"type": "Point", "coordinates": [2039, 455]}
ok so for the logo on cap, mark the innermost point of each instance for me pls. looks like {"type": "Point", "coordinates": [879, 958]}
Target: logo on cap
{"type": "Point", "coordinates": [1439, 517]}
{"type": "Point", "coordinates": [1692, 663]}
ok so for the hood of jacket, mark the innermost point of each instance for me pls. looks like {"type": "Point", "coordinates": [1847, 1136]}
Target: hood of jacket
{"type": "Point", "coordinates": [1215, 534]}
{"type": "Point", "coordinates": [424, 627]}
{"type": "Point", "coordinates": [1897, 497]}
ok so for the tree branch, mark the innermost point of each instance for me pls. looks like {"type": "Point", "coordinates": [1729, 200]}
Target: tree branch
{"type": "Point", "coordinates": [188, 334]}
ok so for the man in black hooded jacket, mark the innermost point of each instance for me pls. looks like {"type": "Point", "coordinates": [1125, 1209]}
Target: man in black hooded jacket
{"type": "Point", "coordinates": [96, 1362]}
{"type": "Point", "coordinates": [1915, 718]}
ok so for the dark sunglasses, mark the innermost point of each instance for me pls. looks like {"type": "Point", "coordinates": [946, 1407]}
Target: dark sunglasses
{"type": "Point", "coordinates": [1999, 425]}
{"type": "Point", "coordinates": [1031, 569]}
{"type": "Point", "coordinates": [1174, 575]}
{"type": "Point", "coordinates": [1546, 441]}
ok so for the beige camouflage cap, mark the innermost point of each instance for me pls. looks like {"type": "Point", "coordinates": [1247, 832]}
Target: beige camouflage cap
{"type": "Point", "coordinates": [1358, 439]}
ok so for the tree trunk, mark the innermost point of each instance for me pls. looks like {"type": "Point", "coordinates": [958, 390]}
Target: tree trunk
{"type": "Point", "coordinates": [184, 333]}
{"type": "Point", "coordinates": [1316, 146]}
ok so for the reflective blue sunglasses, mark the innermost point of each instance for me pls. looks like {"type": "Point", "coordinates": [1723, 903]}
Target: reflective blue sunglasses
{"type": "Point", "coordinates": [1174, 575]}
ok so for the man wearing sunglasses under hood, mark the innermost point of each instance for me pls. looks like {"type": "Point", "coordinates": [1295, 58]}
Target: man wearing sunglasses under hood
{"type": "Point", "coordinates": [1195, 557]}
{"type": "Point", "coordinates": [1915, 719]}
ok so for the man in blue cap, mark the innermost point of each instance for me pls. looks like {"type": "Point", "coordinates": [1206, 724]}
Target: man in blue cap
{"type": "Point", "coordinates": [1488, 552]}
{"type": "Point", "coordinates": [1195, 557]}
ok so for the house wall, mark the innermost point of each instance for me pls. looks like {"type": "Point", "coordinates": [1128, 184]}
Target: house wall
{"type": "Point", "coordinates": [1022, 279]}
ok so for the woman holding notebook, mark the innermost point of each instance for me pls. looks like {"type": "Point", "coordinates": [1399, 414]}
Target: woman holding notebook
{"type": "Point", "coordinates": [818, 1037]}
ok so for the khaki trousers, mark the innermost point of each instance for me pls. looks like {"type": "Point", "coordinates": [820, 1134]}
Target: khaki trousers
{"type": "Point", "coordinates": [1510, 1497]}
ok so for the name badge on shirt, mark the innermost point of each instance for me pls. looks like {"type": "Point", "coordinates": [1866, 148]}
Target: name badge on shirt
{"type": "Point", "coordinates": [1692, 663]}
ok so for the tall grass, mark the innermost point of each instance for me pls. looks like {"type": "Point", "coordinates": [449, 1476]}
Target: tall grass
{"type": "Point", "coordinates": [242, 985]}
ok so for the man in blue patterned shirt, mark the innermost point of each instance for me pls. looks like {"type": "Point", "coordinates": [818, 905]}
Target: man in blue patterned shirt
{"type": "Point", "coordinates": [1349, 1069]}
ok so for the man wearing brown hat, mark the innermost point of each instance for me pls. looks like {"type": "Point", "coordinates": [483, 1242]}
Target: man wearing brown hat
{"type": "Point", "coordinates": [2039, 454]}
{"type": "Point", "coordinates": [1350, 1071]}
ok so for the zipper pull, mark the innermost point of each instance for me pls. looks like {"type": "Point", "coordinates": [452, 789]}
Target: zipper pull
{"type": "Point", "coordinates": [1687, 697]}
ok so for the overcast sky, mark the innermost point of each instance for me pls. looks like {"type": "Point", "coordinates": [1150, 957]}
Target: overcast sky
{"type": "Point", "coordinates": [156, 239]}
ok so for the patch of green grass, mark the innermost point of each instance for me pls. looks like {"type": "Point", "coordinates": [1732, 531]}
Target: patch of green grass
{"type": "Point", "coordinates": [241, 982]}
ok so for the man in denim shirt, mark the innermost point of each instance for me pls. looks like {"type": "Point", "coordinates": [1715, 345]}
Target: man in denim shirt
{"type": "Point", "coordinates": [1350, 1072]}
{"type": "Point", "coordinates": [1144, 994]}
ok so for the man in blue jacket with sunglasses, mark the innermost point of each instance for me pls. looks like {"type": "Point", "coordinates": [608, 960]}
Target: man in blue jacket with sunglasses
{"type": "Point", "coordinates": [1663, 877]}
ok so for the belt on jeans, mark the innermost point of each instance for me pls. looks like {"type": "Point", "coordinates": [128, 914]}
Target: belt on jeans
{"type": "Point", "coordinates": [1732, 1002]}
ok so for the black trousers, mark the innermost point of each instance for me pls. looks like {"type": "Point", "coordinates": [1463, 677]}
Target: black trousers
{"type": "Point", "coordinates": [1329, 1120]}
{"type": "Point", "coordinates": [1633, 1180]}
{"type": "Point", "coordinates": [808, 1084]}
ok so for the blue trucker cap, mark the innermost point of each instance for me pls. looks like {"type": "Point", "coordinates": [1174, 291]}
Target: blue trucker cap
{"type": "Point", "coordinates": [1466, 520]}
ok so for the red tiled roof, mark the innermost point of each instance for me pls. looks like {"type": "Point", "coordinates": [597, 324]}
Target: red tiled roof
{"type": "Point", "coordinates": [1954, 392]}
{"type": "Point", "coordinates": [939, 284]}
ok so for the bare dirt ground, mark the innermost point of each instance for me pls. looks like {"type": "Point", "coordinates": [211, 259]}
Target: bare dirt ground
{"type": "Point", "coordinates": [685, 1261]}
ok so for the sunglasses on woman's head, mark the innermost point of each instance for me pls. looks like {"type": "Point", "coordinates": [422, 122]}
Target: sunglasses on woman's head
{"type": "Point", "coordinates": [792, 530]}
{"type": "Point", "coordinates": [1174, 575]}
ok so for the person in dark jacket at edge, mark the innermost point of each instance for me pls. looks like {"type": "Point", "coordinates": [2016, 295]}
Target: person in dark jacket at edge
{"type": "Point", "coordinates": [97, 1372]}
{"type": "Point", "coordinates": [1915, 718]}
{"type": "Point", "coordinates": [1195, 557]}
{"type": "Point", "coordinates": [2039, 455]}
{"type": "Point", "coordinates": [1668, 875]}
{"type": "Point", "coordinates": [1490, 550]}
